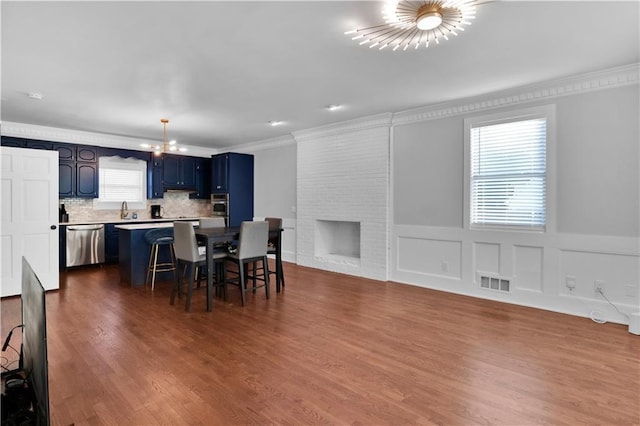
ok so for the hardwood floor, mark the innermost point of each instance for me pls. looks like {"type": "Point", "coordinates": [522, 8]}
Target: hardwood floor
{"type": "Point", "coordinates": [330, 349]}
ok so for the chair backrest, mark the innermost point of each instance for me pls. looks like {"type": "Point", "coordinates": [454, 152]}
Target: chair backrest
{"type": "Point", "coordinates": [253, 239]}
{"type": "Point", "coordinates": [212, 222]}
{"type": "Point", "coordinates": [185, 245]}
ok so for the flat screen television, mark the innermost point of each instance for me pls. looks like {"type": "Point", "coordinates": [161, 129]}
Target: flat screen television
{"type": "Point", "coordinates": [33, 354]}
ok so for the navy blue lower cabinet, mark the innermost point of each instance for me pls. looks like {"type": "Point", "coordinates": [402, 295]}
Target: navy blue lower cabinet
{"type": "Point", "coordinates": [111, 243]}
{"type": "Point", "coordinates": [62, 247]}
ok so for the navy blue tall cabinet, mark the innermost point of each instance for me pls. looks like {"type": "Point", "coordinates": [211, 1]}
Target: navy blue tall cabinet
{"type": "Point", "coordinates": [232, 173]}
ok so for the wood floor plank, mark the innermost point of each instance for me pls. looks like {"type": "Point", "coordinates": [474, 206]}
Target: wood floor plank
{"type": "Point", "coordinates": [329, 349]}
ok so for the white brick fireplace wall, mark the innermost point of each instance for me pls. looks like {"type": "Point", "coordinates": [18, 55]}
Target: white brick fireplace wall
{"type": "Point", "coordinates": [343, 195]}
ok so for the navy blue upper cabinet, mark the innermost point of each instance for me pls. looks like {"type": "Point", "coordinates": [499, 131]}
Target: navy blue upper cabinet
{"type": "Point", "coordinates": [203, 179]}
{"type": "Point", "coordinates": [66, 151]}
{"type": "Point", "coordinates": [87, 154]}
{"type": "Point", "coordinates": [66, 179]}
{"type": "Point", "coordinates": [77, 170]}
{"type": "Point", "coordinates": [36, 144]}
{"type": "Point", "coordinates": [233, 173]}
{"type": "Point", "coordinates": [219, 182]}
{"type": "Point", "coordinates": [12, 142]}
{"type": "Point", "coordinates": [155, 188]}
{"type": "Point", "coordinates": [179, 172]}
{"type": "Point", "coordinates": [87, 180]}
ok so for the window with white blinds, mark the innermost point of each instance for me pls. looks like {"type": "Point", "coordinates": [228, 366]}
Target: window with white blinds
{"type": "Point", "coordinates": [121, 179]}
{"type": "Point", "coordinates": [508, 177]}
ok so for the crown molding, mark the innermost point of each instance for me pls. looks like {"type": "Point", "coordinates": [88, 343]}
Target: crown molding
{"type": "Point", "coordinates": [54, 134]}
{"type": "Point", "coordinates": [364, 123]}
{"type": "Point", "coordinates": [270, 143]}
{"type": "Point", "coordinates": [584, 83]}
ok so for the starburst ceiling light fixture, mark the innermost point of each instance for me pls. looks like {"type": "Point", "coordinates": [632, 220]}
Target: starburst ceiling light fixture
{"type": "Point", "coordinates": [417, 23]}
{"type": "Point", "coordinates": [167, 145]}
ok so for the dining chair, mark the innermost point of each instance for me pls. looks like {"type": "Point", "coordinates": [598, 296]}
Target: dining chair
{"type": "Point", "coordinates": [251, 249]}
{"type": "Point", "coordinates": [275, 223]}
{"type": "Point", "coordinates": [188, 258]}
{"type": "Point", "coordinates": [212, 222]}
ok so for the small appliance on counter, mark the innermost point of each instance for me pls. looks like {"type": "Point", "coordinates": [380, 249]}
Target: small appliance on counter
{"type": "Point", "coordinates": [63, 215]}
{"type": "Point", "coordinates": [156, 211]}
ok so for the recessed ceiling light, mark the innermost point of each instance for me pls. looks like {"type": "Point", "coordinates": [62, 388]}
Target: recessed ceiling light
{"type": "Point", "coordinates": [333, 107]}
{"type": "Point", "coordinates": [34, 95]}
{"type": "Point", "coordinates": [276, 122]}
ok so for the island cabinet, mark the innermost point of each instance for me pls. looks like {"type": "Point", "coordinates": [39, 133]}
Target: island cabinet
{"type": "Point", "coordinates": [78, 170]}
{"type": "Point", "coordinates": [179, 172]}
{"type": "Point", "coordinates": [232, 173]}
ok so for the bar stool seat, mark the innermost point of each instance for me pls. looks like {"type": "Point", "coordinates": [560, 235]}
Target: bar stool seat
{"type": "Point", "coordinates": [157, 238]}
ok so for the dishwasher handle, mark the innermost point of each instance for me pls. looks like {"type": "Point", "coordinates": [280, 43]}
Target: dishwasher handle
{"type": "Point", "coordinates": [85, 227]}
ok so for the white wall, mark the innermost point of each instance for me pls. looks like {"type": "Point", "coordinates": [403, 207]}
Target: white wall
{"type": "Point", "coordinates": [275, 169]}
{"type": "Point", "coordinates": [595, 215]}
{"type": "Point", "coordinates": [343, 175]}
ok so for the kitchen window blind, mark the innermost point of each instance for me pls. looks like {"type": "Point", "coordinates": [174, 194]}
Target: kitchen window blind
{"type": "Point", "coordinates": [120, 185]}
{"type": "Point", "coordinates": [121, 179]}
{"type": "Point", "coordinates": [508, 174]}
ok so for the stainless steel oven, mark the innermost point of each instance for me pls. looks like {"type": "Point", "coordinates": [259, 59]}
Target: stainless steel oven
{"type": "Point", "coordinates": [220, 205]}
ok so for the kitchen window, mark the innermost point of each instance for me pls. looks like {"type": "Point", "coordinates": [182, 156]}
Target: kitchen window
{"type": "Point", "coordinates": [121, 179]}
{"type": "Point", "coordinates": [506, 167]}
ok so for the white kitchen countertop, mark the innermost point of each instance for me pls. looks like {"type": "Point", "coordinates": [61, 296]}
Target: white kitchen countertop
{"type": "Point", "coordinates": [130, 221]}
{"type": "Point", "coordinates": [165, 224]}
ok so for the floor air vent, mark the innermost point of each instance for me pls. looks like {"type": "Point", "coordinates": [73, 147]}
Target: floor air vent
{"type": "Point", "coordinates": [494, 283]}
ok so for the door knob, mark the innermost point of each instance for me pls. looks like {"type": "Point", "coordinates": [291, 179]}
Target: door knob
{"type": "Point", "coordinates": [53, 227]}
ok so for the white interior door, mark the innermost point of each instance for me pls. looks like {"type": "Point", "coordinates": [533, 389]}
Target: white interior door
{"type": "Point", "coordinates": [29, 217]}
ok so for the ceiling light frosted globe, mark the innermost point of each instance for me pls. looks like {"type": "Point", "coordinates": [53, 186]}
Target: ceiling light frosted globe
{"type": "Point", "coordinates": [429, 21]}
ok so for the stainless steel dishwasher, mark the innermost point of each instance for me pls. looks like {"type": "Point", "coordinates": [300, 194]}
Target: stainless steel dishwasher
{"type": "Point", "coordinates": [85, 244]}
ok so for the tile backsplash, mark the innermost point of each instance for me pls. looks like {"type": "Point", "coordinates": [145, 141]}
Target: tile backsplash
{"type": "Point", "coordinates": [175, 204]}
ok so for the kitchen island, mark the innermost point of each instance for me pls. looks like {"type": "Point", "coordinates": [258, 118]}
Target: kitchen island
{"type": "Point", "coordinates": [134, 252]}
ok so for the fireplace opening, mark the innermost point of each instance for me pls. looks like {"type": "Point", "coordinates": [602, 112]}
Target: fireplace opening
{"type": "Point", "coordinates": [337, 238]}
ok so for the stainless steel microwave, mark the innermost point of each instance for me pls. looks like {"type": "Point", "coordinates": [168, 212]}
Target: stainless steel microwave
{"type": "Point", "coordinates": [220, 204]}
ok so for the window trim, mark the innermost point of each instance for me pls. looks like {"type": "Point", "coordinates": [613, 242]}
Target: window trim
{"type": "Point", "coordinates": [549, 113]}
{"type": "Point", "coordinates": [98, 204]}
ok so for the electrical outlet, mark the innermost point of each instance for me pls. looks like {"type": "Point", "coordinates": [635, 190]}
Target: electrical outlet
{"type": "Point", "coordinates": [570, 282]}
{"type": "Point", "coordinates": [444, 266]}
{"type": "Point", "coordinates": [598, 286]}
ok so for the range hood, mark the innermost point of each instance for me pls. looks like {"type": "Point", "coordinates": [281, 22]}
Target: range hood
{"type": "Point", "coordinates": [185, 190]}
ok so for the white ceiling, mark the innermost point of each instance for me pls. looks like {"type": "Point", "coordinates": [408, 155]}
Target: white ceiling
{"type": "Point", "coordinates": [220, 71]}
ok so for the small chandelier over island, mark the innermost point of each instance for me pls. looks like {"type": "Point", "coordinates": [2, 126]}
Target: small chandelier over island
{"type": "Point", "coordinates": [167, 146]}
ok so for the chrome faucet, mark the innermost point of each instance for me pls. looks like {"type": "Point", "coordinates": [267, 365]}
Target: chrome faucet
{"type": "Point", "coordinates": [124, 210]}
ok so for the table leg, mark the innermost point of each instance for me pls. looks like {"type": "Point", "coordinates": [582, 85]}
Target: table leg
{"type": "Point", "coordinates": [209, 253]}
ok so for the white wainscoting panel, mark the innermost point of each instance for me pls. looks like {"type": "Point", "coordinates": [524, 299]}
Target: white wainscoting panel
{"type": "Point", "coordinates": [528, 268]}
{"type": "Point", "coordinates": [430, 257]}
{"type": "Point", "coordinates": [536, 264]}
{"type": "Point", "coordinates": [487, 257]}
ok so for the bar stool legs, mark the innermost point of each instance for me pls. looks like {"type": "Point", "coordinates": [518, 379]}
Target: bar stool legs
{"type": "Point", "coordinates": [155, 267]}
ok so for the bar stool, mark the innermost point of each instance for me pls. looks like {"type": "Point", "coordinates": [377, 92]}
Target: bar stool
{"type": "Point", "coordinates": [156, 238]}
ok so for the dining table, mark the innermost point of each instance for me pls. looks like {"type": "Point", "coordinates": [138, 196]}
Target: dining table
{"type": "Point", "coordinates": [217, 235]}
